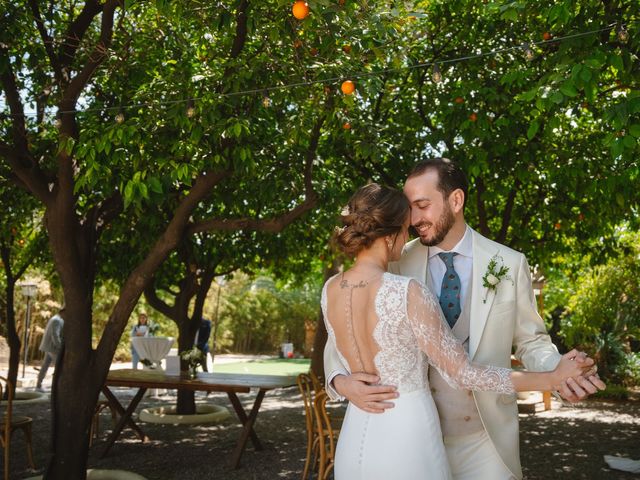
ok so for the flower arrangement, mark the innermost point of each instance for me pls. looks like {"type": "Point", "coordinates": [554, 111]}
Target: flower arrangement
{"type": "Point", "coordinates": [496, 272]}
{"type": "Point", "coordinates": [152, 328]}
{"type": "Point", "coordinates": [194, 357]}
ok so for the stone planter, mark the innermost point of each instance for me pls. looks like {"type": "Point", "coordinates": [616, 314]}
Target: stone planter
{"type": "Point", "coordinates": [99, 474]}
{"type": "Point", "coordinates": [25, 397]}
{"type": "Point", "coordinates": [206, 413]}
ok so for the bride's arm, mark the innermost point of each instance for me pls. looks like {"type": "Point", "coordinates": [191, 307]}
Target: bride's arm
{"type": "Point", "coordinates": [445, 352]}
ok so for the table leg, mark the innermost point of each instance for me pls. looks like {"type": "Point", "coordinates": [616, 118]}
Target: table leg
{"type": "Point", "coordinates": [247, 422]}
{"type": "Point", "coordinates": [125, 417]}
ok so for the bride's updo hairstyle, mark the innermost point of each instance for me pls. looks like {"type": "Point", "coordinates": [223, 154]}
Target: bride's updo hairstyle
{"type": "Point", "coordinates": [374, 211]}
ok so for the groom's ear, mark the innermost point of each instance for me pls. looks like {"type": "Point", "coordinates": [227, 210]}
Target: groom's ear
{"type": "Point", "coordinates": [456, 200]}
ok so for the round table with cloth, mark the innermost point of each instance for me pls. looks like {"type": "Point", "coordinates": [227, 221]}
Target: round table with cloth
{"type": "Point", "coordinates": [153, 349]}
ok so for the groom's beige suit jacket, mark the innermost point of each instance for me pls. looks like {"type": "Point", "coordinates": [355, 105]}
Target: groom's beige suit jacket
{"type": "Point", "coordinates": [508, 318]}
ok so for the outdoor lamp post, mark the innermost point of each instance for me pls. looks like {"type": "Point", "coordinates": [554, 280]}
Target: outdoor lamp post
{"type": "Point", "coordinates": [29, 290]}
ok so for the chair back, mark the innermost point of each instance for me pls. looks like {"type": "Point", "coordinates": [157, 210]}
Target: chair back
{"type": "Point", "coordinates": [327, 435]}
{"type": "Point", "coordinates": [6, 411]}
{"type": "Point", "coordinates": [305, 385]}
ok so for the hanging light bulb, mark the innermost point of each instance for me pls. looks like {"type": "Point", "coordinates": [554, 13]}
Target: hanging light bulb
{"type": "Point", "coordinates": [266, 102]}
{"type": "Point", "coordinates": [191, 109]}
{"type": "Point", "coordinates": [120, 117]}
{"type": "Point", "coordinates": [528, 53]}
{"type": "Point", "coordinates": [58, 122]}
{"type": "Point", "coordinates": [436, 75]}
{"type": "Point", "coordinates": [623, 34]}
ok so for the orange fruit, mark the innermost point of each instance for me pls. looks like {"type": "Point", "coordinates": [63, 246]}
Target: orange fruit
{"type": "Point", "coordinates": [300, 10]}
{"type": "Point", "coordinates": [458, 100]}
{"type": "Point", "coordinates": [346, 126]}
{"type": "Point", "coordinates": [558, 226]}
{"type": "Point", "coordinates": [346, 48]}
{"type": "Point", "coordinates": [341, 2]}
{"type": "Point", "coordinates": [313, 51]}
{"type": "Point", "coordinates": [348, 87]}
{"type": "Point", "coordinates": [297, 43]}
{"type": "Point", "coordinates": [546, 36]}
{"type": "Point", "coordinates": [473, 117]}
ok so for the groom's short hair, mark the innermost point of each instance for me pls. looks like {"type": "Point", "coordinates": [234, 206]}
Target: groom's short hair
{"type": "Point", "coordinates": [450, 175]}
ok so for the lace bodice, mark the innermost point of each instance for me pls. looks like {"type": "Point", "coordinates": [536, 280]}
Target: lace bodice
{"type": "Point", "coordinates": [411, 333]}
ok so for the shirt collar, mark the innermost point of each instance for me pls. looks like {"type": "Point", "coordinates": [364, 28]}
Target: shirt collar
{"type": "Point", "coordinates": [464, 247]}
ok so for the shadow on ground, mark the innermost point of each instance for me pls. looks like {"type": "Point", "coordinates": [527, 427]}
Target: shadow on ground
{"type": "Point", "coordinates": [565, 442]}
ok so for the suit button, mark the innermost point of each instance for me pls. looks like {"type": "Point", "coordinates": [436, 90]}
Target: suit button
{"type": "Point", "coordinates": [467, 418]}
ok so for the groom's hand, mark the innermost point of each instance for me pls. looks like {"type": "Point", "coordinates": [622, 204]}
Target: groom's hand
{"type": "Point", "coordinates": [578, 388]}
{"type": "Point", "coordinates": [360, 389]}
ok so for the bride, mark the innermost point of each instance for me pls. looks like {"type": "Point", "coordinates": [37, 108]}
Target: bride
{"type": "Point", "coordinates": [393, 326]}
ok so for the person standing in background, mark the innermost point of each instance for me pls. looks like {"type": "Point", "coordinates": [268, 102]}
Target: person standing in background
{"type": "Point", "coordinates": [202, 341]}
{"type": "Point", "coordinates": [139, 330]}
{"type": "Point", "coordinates": [51, 345]}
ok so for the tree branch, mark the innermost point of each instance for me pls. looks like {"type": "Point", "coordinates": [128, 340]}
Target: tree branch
{"type": "Point", "coordinates": [155, 301]}
{"type": "Point", "coordinates": [277, 224]}
{"type": "Point", "coordinates": [143, 273]}
{"type": "Point", "coordinates": [100, 51]}
{"type": "Point", "coordinates": [46, 40]}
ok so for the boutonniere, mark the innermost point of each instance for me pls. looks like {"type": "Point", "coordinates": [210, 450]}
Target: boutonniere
{"type": "Point", "coordinates": [496, 272]}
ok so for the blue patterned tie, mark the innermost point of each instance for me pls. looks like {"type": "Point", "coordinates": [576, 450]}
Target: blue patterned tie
{"type": "Point", "coordinates": [450, 290]}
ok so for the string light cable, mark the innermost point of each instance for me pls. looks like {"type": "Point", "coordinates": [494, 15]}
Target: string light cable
{"type": "Point", "coordinates": [435, 65]}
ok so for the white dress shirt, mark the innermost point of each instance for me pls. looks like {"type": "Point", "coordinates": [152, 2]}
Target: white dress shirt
{"type": "Point", "coordinates": [462, 263]}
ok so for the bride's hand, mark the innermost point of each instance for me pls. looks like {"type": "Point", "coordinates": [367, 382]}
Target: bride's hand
{"type": "Point", "coordinates": [568, 368]}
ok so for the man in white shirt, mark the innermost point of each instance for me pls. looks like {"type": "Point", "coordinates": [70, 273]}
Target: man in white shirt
{"type": "Point", "coordinates": [51, 345]}
{"type": "Point", "coordinates": [485, 292]}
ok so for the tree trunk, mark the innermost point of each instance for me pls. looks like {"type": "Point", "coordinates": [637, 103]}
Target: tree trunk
{"type": "Point", "coordinates": [186, 401]}
{"type": "Point", "coordinates": [73, 397]}
{"type": "Point", "coordinates": [13, 339]}
{"type": "Point", "coordinates": [319, 341]}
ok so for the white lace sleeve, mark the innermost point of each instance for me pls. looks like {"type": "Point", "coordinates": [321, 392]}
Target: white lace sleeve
{"type": "Point", "coordinates": [444, 351]}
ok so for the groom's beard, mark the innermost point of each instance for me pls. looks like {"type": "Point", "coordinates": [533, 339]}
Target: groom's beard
{"type": "Point", "coordinates": [440, 229]}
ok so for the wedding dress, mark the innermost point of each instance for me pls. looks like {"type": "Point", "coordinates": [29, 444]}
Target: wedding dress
{"type": "Point", "coordinates": [394, 326]}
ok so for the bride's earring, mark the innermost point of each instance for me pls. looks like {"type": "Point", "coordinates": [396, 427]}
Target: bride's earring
{"type": "Point", "coordinates": [389, 244]}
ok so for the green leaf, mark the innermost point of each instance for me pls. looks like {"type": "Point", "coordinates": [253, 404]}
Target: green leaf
{"type": "Point", "coordinates": [629, 142]}
{"type": "Point", "coordinates": [557, 97]}
{"type": "Point", "coordinates": [569, 89]}
{"type": "Point", "coordinates": [635, 130]}
{"type": "Point", "coordinates": [533, 129]}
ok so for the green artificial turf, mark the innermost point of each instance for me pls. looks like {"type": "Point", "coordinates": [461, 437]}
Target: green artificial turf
{"type": "Point", "coordinates": [271, 366]}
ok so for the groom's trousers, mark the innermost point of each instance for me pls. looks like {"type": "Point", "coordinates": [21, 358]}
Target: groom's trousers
{"type": "Point", "coordinates": [473, 457]}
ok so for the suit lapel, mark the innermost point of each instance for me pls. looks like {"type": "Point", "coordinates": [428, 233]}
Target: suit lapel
{"type": "Point", "coordinates": [414, 262]}
{"type": "Point", "coordinates": [479, 307]}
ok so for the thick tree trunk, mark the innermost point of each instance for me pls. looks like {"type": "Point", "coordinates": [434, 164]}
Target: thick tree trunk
{"type": "Point", "coordinates": [186, 402]}
{"type": "Point", "coordinates": [74, 395]}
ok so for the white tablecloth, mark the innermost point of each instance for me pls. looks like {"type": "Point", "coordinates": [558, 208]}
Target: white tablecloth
{"type": "Point", "coordinates": [153, 349]}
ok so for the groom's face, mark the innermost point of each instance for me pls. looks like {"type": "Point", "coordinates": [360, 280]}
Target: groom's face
{"type": "Point", "coordinates": [431, 214]}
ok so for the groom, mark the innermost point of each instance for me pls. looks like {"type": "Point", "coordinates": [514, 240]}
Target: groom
{"type": "Point", "coordinates": [485, 292]}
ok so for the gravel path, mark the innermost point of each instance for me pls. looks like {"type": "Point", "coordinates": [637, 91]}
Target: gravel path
{"type": "Point", "coordinates": [566, 441]}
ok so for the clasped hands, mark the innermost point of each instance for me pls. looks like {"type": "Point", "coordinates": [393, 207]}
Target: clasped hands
{"type": "Point", "coordinates": [578, 388]}
{"type": "Point", "coordinates": [363, 391]}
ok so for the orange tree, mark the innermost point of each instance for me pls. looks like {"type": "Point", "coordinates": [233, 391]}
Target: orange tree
{"type": "Point", "coordinates": [95, 126]}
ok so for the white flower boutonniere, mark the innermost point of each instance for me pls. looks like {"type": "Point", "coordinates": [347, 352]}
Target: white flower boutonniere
{"type": "Point", "coordinates": [496, 272]}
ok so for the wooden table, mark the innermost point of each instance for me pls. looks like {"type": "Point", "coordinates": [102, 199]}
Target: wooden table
{"type": "Point", "coordinates": [230, 383]}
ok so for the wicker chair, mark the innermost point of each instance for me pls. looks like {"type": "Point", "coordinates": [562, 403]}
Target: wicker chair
{"type": "Point", "coordinates": [327, 436]}
{"type": "Point", "coordinates": [9, 423]}
{"type": "Point", "coordinates": [306, 386]}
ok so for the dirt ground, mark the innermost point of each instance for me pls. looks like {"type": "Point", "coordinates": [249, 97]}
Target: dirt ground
{"type": "Point", "coordinates": [566, 442]}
